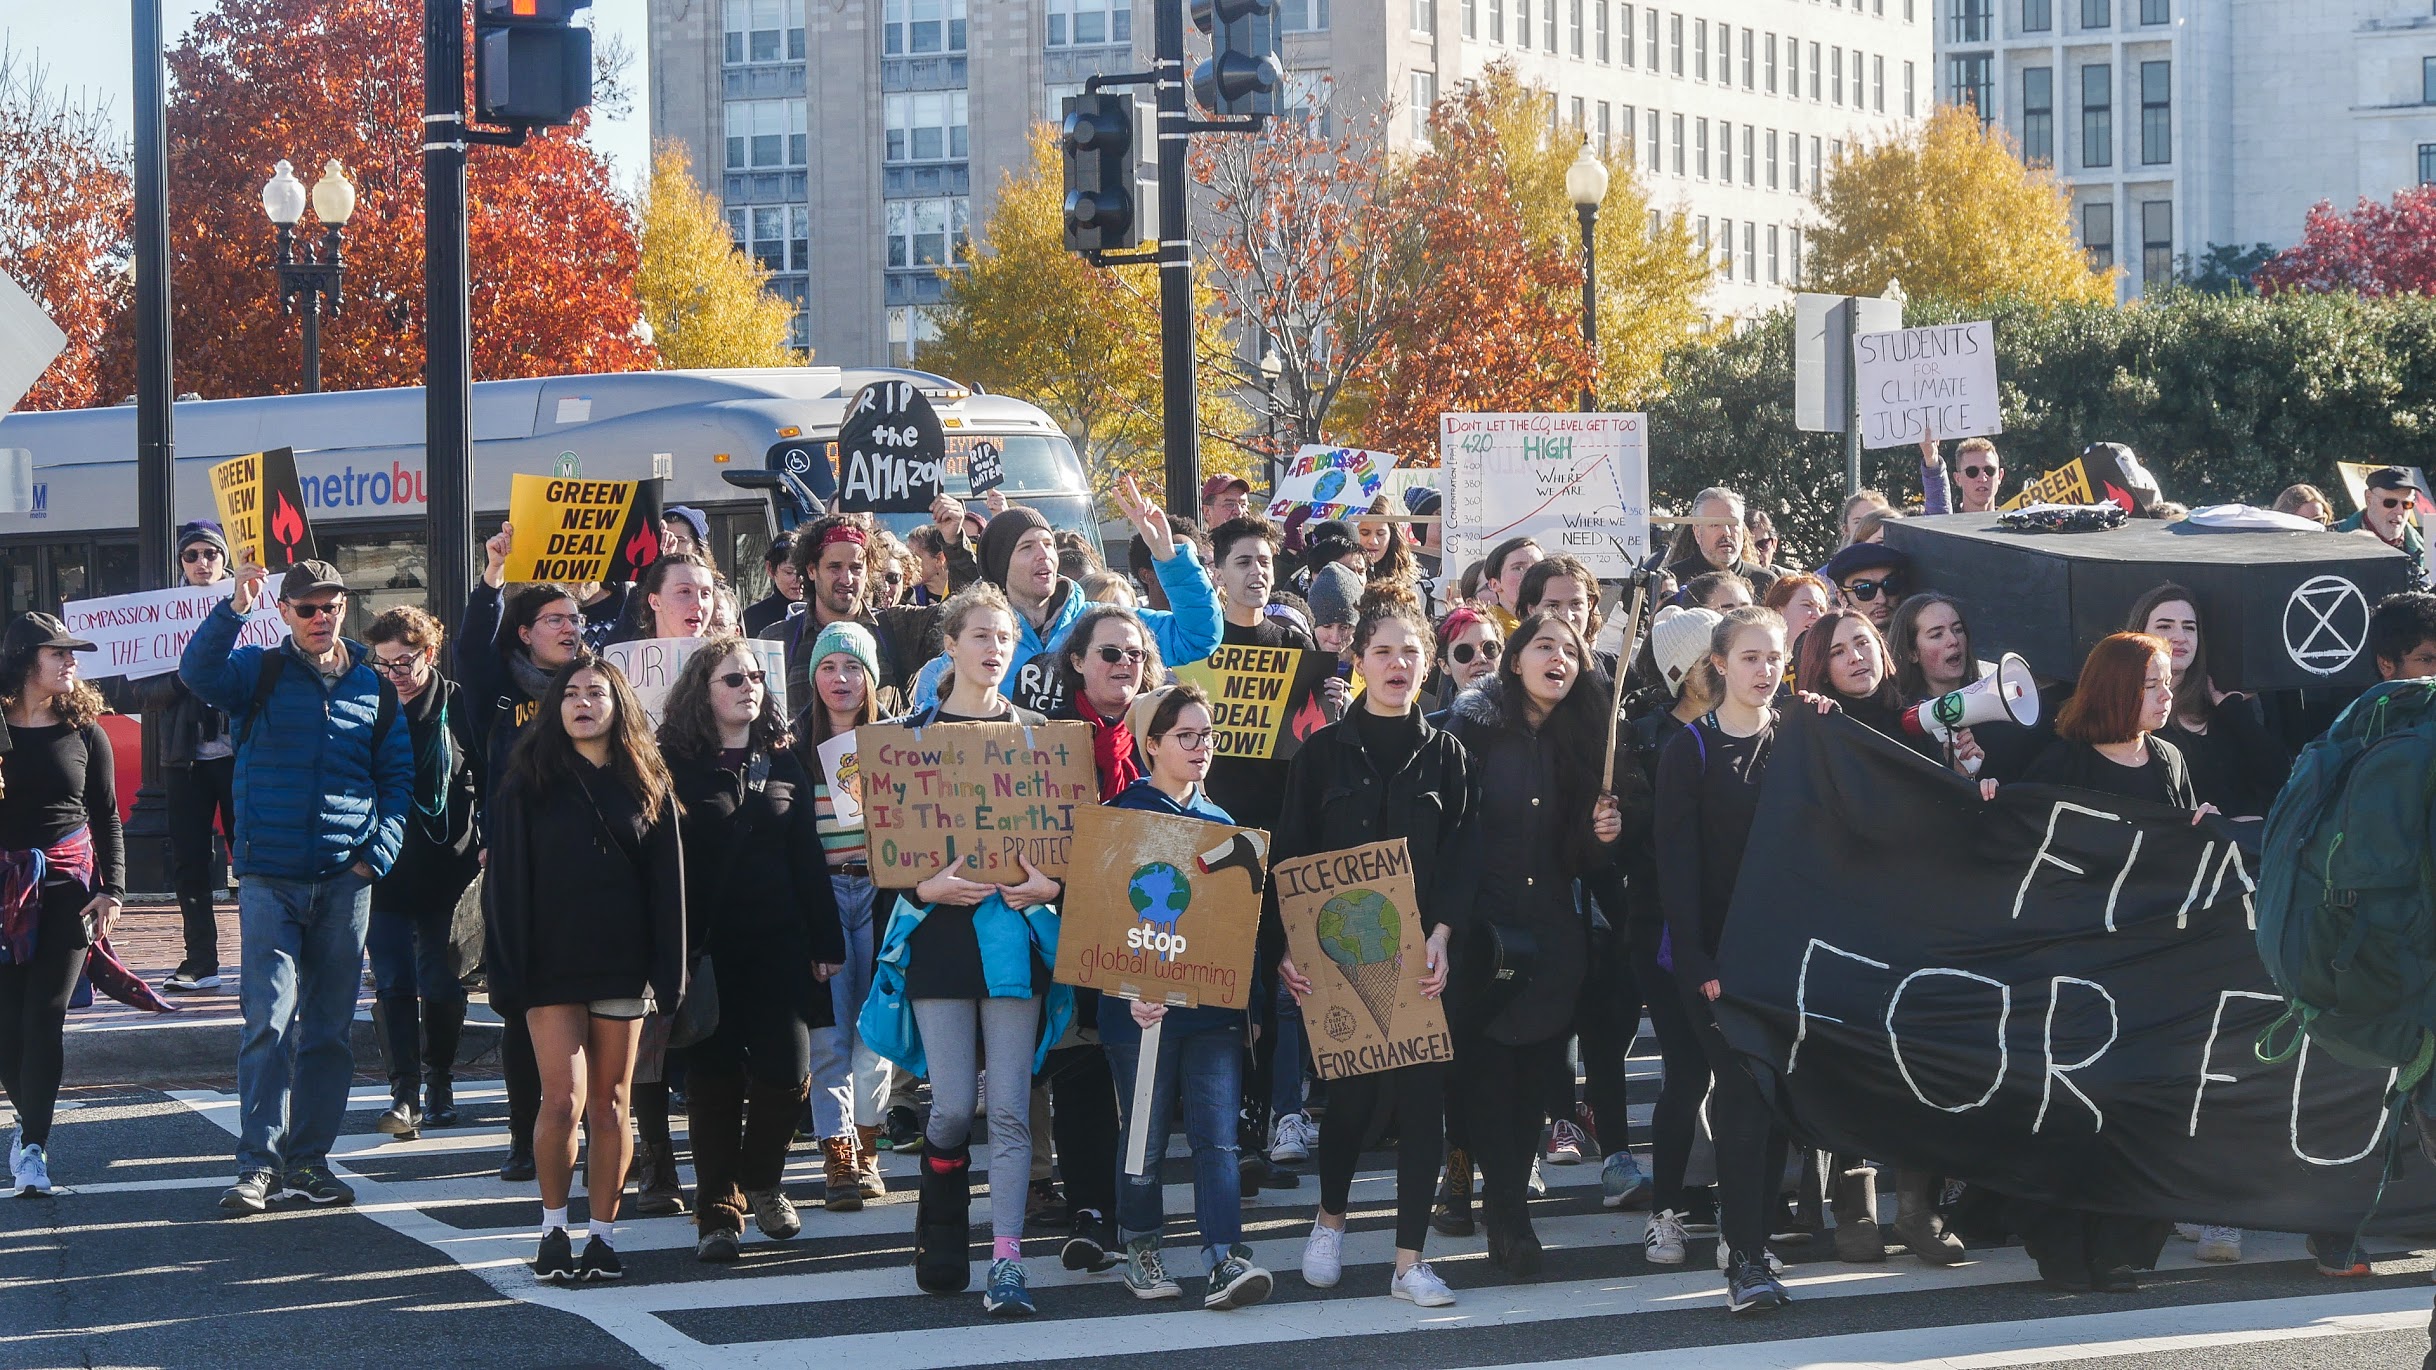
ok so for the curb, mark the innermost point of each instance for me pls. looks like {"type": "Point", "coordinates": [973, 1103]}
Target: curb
{"type": "Point", "coordinates": [163, 1052]}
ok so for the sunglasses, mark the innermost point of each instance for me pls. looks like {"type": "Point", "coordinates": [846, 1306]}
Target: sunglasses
{"type": "Point", "coordinates": [1463, 652]}
{"type": "Point", "coordinates": [1975, 472]}
{"type": "Point", "coordinates": [1867, 590]}
{"type": "Point", "coordinates": [403, 665]}
{"type": "Point", "coordinates": [893, 578]}
{"type": "Point", "coordinates": [1763, 543]}
{"type": "Point", "coordinates": [2386, 502]}
{"type": "Point", "coordinates": [1113, 655]}
{"type": "Point", "coordinates": [1191, 741]}
{"type": "Point", "coordinates": [330, 610]}
{"type": "Point", "coordinates": [194, 554]}
{"type": "Point", "coordinates": [735, 680]}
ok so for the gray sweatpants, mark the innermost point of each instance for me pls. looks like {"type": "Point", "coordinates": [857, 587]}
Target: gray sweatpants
{"type": "Point", "coordinates": [1007, 1031]}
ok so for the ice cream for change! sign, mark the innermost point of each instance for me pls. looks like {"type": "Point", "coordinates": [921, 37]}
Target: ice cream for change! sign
{"type": "Point", "coordinates": [1353, 927]}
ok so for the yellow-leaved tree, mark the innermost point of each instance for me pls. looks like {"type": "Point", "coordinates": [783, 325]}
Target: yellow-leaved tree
{"type": "Point", "coordinates": [708, 304]}
{"type": "Point", "coordinates": [1951, 211]}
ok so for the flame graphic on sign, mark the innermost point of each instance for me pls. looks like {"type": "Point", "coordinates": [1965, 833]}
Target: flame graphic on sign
{"type": "Point", "coordinates": [287, 524]}
{"type": "Point", "coordinates": [643, 548]}
{"type": "Point", "coordinates": [1308, 719]}
{"type": "Point", "coordinates": [2120, 498]}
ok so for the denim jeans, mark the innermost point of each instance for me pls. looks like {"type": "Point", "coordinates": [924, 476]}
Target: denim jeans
{"type": "Point", "coordinates": [413, 953]}
{"type": "Point", "coordinates": [849, 1080]}
{"type": "Point", "coordinates": [1203, 1056]}
{"type": "Point", "coordinates": [1286, 1075]}
{"type": "Point", "coordinates": [303, 955]}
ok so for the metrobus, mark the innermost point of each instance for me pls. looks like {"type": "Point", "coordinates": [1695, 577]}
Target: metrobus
{"type": "Point", "coordinates": [752, 449]}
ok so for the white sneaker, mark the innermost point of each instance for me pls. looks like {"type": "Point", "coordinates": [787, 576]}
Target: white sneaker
{"type": "Point", "coordinates": [2186, 1232]}
{"type": "Point", "coordinates": [1565, 1142]}
{"type": "Point", "coordinates": [1539, 1187]}
{"type": "Point", "coordinates": [1662, 1240]}
{"type": "Point", "coordinates": [2219, 1244]}
{"type": "Point", "coordinates": [1421, 1287]}
{"type": "Point", "coordinates": [30, 1170]}
{"type": "Point", "coordinates": [1292, 1138]}
{"type": "Point", "coordinates": [1324, 1256]}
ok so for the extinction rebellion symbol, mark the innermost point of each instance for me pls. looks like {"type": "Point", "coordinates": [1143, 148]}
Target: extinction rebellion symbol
{"type": "Point", "coordinates": [2325, 624]}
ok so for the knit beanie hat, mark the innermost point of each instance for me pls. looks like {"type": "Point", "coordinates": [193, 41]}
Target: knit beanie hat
{"type": "Point", "coordinates": [1327, 540]}
{"type": "Point", "coordinates": [201, 530]}
{"type": "Point", "coordinates": [854, 640]}
{"type": "Point", "coordinates": [1336, 594]}
{"type": "Point", "coordinates": [999, 538]}
{"type": "Point", "coordinates": [1678, 639]}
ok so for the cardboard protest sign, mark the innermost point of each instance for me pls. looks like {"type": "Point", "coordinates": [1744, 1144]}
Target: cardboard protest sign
{"type": "Point", "coordinates": [2066, 484]}
{"type": "Point", "coordinates": [262, 509]}
{"type": "Point", "coordinates": [144, 634]}
{"type": "Point", "coordinates": [985, 469]}
{"type": "Point", "coordinates": [1333, 481]}
{"type": "Point", "coordinates": [1353, 927]}
{"type": "Point", "coordinates": [651, 666]}
{"type": "Point", "coordinates": [572, 531]}
{"type": "Point", "coordinates": [1263, 700]}
{"type": "Point", "coordinates": [1916, 383]}
{"type": "Point", "coordinates": [1578, 483]}
{"type": "Point", "coordinates": [842, 766]}
{"type": "Point", "coordinates": [892, 451]}
{"type": "Point", "coordinates": [1161, 908]}
{"type": "Point", "coordinates": [982, 796]}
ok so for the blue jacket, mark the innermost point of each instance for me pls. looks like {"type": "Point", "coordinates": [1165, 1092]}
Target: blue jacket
{"type": "Point", "coordinates": [1009, 938]}
{"type": "Point", "coordinates": [312, 798]}
{"type": "Point", "coordinates": [1185, 631]}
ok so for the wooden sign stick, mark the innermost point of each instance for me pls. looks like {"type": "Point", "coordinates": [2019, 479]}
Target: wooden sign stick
{"type": "Point", "coordinates": [1145, 1081]}
{"type": "Point", "coordinates": [1615, 710]}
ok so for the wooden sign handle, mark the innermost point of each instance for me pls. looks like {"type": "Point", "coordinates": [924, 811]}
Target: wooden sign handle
{"type": "Point", "coordinates": [1615, 710]}
{"type": "Point", "coordinates": [1145, 1083]}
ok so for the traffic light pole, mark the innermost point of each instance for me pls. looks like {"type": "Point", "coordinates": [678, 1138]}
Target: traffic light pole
{"type": "Point", "coordinates": [1178, 397]}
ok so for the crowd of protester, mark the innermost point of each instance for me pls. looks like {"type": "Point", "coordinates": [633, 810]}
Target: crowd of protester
{"type": "Point", "coordinates": [366, 788]}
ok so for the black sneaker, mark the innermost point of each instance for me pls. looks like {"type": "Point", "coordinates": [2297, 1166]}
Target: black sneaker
{"type": "Point", "coordinates": [1751, 1287]}
{"type": "Point", "coordinates": [599, 1263]}
{"type": "Point", "coordinates": [316, 1185]}
{"type": "Point", "coordinates": [904, 1129]}
{"type": "Point", "coordinates": [555, 1263]}
{"type": "Point", "coordinates": [1087, 1249]}
{"type": "Point", "coordinates": [250, 1194]}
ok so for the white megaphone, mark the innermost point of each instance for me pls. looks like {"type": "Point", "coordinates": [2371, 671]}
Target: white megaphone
{"type": "Point", "coordinates": [2004, 693]}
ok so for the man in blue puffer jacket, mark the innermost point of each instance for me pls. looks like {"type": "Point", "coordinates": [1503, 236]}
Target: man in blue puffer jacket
{"type": "Point", "coordinates": [323, 779]}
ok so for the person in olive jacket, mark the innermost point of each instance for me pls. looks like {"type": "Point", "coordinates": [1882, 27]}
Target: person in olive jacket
{"type": "Point", "coordinates": [758, 901]}
{"type": "Point", "coordinates": [1533, 732]}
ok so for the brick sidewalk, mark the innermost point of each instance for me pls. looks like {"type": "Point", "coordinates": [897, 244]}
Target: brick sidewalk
{"type": "Point", "coordinates": [151, 939]}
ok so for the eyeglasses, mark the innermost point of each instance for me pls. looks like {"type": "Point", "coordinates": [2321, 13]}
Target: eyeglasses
{"type": "Point", "coordinates": [330, 610]}
{"type": "Point", "coordinates": [735, 680]}
{"type": "Point", "coordinates": [194, 554]}
{"type": "Point", "coordinates": [2388, 502]}
{"type": "Point", "coordinates": [1975, 472]}
{"type": "Point", "coordinates": [1867, 590]}
{"type": "Point", "coordinates": [1763, 544]}
{"type": "Point", "coordinates": [395, 665]}
{"type": "Point", "coordinates": [893, 578]}
{"type": "Point", "coordinates": [1191, 741]}
{"type": "Point", "coordinates": [1113, 655]}
{"type": "Point", "coordinates": [1463, 652]}
{"type": "Point", "coordinates": [558, 620]}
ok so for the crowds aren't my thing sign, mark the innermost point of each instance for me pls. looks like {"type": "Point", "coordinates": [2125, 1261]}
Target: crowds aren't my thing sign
{"type": "Point", "coordinates": [982, 798]}
{"type": "Point", "coordinates": [1935, 382]}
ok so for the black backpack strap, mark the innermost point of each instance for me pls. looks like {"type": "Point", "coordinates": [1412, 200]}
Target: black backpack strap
{"type": "Point", "coordinates": [274, 664]}
{"type": "Point", "coordinates": [385, 716]}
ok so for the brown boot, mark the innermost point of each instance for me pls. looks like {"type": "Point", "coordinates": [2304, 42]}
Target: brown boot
{"type": "Point", "coordinates": [845, 1188]}
{"type": "Point", "coordinates": [867, 1177]}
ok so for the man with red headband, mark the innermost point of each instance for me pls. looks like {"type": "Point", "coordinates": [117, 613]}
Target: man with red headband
{"type": "Point", "coordinates": [828, 557]}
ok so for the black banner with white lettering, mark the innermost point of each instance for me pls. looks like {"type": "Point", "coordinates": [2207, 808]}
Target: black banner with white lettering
{"type": "Point", "coordinates": [892, 452]}
{"type": "Point", "coordinates": [2056, 995]}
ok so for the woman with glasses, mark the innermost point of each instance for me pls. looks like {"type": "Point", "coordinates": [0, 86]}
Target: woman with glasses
{"type": "Point", "coordinates": [417, 999]}
{"type": "Point", "coordinates": [759, 906]}
{"type": "Point", "coordinates": [1468, 650]}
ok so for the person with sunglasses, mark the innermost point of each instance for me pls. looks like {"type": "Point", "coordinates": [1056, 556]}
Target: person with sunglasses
{"type": "Point", "coordinates": [759, 905]}
{"type": "Point", "coordinates": [1978, 475]}
{"type": "Point", "coordinates": [1468, 649]}
{"type": "Point", "coordinates": [418, 1003]}
{"type": "Point", "coordinates": [1871, 579]}
{"type": "Point", "coordinates": [2388, 501]}
{"type": "Point", "coordinates": [1759, 534]}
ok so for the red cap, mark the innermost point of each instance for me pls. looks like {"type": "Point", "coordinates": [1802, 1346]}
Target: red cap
{"type": "Point", "coordinates": [1211, 488]}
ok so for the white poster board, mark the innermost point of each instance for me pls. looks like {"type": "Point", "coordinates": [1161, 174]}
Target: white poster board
{"type": "Point", "coordinates": [1936, 382]}
{"type": "Point", "coordinates": [144, 634]}
{"type": "Point", "coordinates": [1578, 483]}
{"type": "Point", "coordinates": [651, 666]}
{"type": "Point", "coordinates": [1334, 481]}
{"type": "Point", "coordinates": [842, 771]}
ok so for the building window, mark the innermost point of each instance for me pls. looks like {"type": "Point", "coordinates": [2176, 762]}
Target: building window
{"type": "Point", "coordinates": [1649, 38]}
{"type": "Point", "coordinates": [1877, 85]}
{"type": "Point", "coordinates": [2427, 80]}
{"type": "Point", "coordinates": [1652, 142]}
{"type": "Point", "coordinates": [1794, 257]}
{"type": "Point", "coordinates": [1497, 21]}
{"type": "Point", "coordinates": [1707, 249]}
{"type": "Point", "coordinates": [1750, 162]}
{"type": "Point", "coordinates": [1628, 123]}
{"type": "Point", "coordinates": [909, 326]}
{"type": "Point", "coordinates": [1814, 73]}
{"type": "Point", "coordinates": [2038, 16]}
{"type": "Point", "coordinates": [1725, 248]}
{"type": "Point", "coordinates": [1425, 16]}
{"type": "Point", "coordinates": [1969, 81]}
{"type": "Point", "coordinates": [1627, 45]}
{"type": "Point", "coordinates": [1750, 59]}
{"type": "Point", "coordinates": [1581, 116]}
{"type": "Point", "coordinates": [1293, 16]}
{"type": "Point", "coordinates": [926, 126]}
{"type": "Point", "coordinates": [927, 232]}
{"type": "Point", "coordinates": [1306, 96]}
{"type": "Point", "coordinates": [764, 31]}
{"type": "Point", "coordinates": [2156, 11]}
{"type": "Point", "coordinates": [1768, 66]}
{"type": "Point", "coordinates": [1773, 276]}
{"type": "Point", "coordinates": [782, 236]}
{"type": "Point", "coordinates": [1909, 107]}
{"type": "Point", "coordinates": [1575, 27]}
{"type": "Point", "coordinates": [1425, 99]}
{"type": "Point", "coordinates": [1548, 27]}
{"type": "Point", "coordinates": [1471, 18]}
{"type": "Point", "coordinates": [2098, 234]}
{"type": "Point", "coordinates": [1606, 129]}
{"type": "Point", "coordinates": [1522, 23]}
{"type": "Point", "coordinates": [1600, 24]}
{"type": "Point", "coordinates": [765, 133]}
{"type": "Point", "coordinates": [1676, 132]}
{"type": "Point", "coordinates": [2097, 14]}
{"type": "Point", "coordinates": [1674, 43]}
{"type": "Point", "coordinates": [2038, 116]}
{"type": "Point", "coordinates": [1055, 98]}
{"type": "Point", "coordinates": [2156, 113]}
{"type": "Point", "coordinates": [2097, 115]}
{"type": "Point", "coordinates": [1835, 85]}
{"type": "Point", "coordinates": [2156, 244]}
{"type": "Point", "coordinates": [1772, 175]}
{"type": "Point", "coordinates": [2427, 164]}
{"type": "Point", "coordinates": [1088, 23]}
{"type": "Point", "coordinates": [1725, 151]}
{"type": "Point", "coordinates": [1816, 181]}
{"type": "Point", "coordinates": [1971, 21]}
{"type": "Point", "coordinates": [1701, 148]}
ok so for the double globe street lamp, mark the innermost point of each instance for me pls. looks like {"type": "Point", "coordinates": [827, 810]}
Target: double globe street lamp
{"type": "Point", "coordinates": [319, 275]}
{"type": "Point", "coordinates": [1586, 186]}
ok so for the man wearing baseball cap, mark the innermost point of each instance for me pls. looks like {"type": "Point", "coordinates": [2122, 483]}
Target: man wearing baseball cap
{"type": "Point", "coordinates": [2385, 512]}
{"type": "Point", "coordinates": [1224, 497]}
{"type": "Point", "coordinates": [323, 778]}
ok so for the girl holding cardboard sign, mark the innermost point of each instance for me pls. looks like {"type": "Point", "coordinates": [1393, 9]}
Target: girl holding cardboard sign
{"type": "Point", "coordinates": [1381, 773]}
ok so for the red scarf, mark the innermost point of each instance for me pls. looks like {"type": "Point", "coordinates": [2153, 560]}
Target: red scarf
{"type": "Point", "coordinates": [1111, 748]}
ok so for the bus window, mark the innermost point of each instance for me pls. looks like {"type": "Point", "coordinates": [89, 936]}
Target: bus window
{"type": "Point", "coordinates": [739, 537]}
{"type": "Point", "coordinates": [45, 575]}
{"type": "Point", "coordinates": [382, 570]}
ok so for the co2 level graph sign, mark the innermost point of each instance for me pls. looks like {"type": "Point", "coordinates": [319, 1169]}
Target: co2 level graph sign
{"type": "Point", "coordinates": [1577, 483]}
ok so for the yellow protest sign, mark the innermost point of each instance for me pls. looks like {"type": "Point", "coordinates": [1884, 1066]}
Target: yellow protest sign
{"type": "Point", "coordinates": [572, 531]}
{"type": "Point", "coordinates": [1263, 700]}
{"type": "Point", "coordinates": [261, 507]}
{"type": "Point", "coordinates": [2066, 484]}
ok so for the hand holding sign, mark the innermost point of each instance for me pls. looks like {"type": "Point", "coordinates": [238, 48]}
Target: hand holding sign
{"type": "Point", "coordinates": [248, 590]}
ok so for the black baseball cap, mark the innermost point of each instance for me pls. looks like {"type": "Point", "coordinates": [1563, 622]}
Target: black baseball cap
{"type": "Point", "coordinates": [30, 633]}
{"type": "Point", "coordinates": [2391, 478]}
{"type": "Point", "coordinates": [310, 577]}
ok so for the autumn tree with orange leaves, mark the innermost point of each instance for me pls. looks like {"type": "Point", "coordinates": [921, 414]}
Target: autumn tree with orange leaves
{"type": "Point", "coordinates": [64, 204]}
{"type": "Point", "coordinates": [553, 250]}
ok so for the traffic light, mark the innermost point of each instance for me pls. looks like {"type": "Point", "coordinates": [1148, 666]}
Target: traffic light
{"type": "Point", "coordinates": [532, 62]}
{"type": "Point", "coordinates": [1099, 146]}
{"type": "Point", "coordinates": [1242, 76]}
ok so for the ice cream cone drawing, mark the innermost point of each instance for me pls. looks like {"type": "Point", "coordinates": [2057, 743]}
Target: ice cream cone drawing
{"type": "Point", "coordinates": [1364, 935]}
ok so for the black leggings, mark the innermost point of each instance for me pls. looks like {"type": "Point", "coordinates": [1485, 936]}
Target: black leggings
{"type": "Point", "coordinates": [1751, 1148]}
{"type": "Point", "coordinates": [1083, 1122]}
{"type": "Point", "coordinates": [1687, 1070]}
{"type": "Point", "coordinates": [1607, 1021]}
{"type": "Point", "coordinates": [521, 1073]}
{"type": "Point", "coordinates": [1416, 1096]}
{"type": "Point", "coordinates": [33, 1025]}
{"type": "Point", "coordinates": [1503, 1088]}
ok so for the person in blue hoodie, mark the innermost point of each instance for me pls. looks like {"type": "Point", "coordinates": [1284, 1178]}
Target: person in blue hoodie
{"type": "Point", "coordinates": [323, 779]}
{"type": "Point", "coordinates": [1200, 1049]}
{"type": "Point", "coordinates": [1019, 556]}
{"type": "Point", "coordinates": [967, 961]}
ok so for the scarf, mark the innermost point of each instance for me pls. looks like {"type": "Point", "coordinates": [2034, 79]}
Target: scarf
{"type": "Point", "coordinates": [534, 681]}
{"type": "Point", "coordinates": [1112, 749]}
{"type": "Point", "coordinates": [21, 876]}
{"type": "Point", "coordinates": [435, 760]}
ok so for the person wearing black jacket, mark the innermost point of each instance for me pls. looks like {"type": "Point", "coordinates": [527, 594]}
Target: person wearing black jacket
{"type": "Point", "coordinates": [1533, 733]}
{"type": "Point", "coordinates": [829, 557]}
{"type": "Point", "coordinates": [764, 616]}
{"type": "Point", "coordinates": [758, 903]}
{"type": "Point", "coordinates": [1380, 774]}
{"type": "Point", "coordinates": [414, 906]}
{"type": "Point", "coordinates": [2234, 762]}
{"type": "Point", "coordinates": [585, 896]}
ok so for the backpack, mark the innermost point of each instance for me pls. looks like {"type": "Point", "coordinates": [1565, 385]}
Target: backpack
{"type": "Point", "coordinates": [275, 664]}
{"type": "Point", "coordinates": [2347, 889]}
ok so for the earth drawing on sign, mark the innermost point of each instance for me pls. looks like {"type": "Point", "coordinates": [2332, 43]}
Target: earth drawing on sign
{"type": "Point", "coordinates": [1160, 893]}
{"type": "Point", "coordinates": [1364, 935]}
{"type": "Point", "coordinates": [1328, 487]}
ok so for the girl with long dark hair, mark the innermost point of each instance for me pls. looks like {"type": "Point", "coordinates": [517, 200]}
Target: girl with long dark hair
{"type": "Point", "coordinates": [586, 898]}
{"type": "Point", "coordinates": [2234, 762]}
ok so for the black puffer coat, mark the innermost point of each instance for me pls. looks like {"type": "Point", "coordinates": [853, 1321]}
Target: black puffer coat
{"type": "Point", "coordinates": [757, 893]}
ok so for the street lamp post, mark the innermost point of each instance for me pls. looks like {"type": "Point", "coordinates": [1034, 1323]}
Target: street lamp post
{"type": "Point", "coordinates": [1586, 186]}
{"type": "Point", "coordinates": [319, 276]}
{"type": "Point", "coordinates": [1271, 367]}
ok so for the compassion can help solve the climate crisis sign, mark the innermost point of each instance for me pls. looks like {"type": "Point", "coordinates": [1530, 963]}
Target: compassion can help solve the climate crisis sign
{"type": "Point", "coordinates": [985, 797]}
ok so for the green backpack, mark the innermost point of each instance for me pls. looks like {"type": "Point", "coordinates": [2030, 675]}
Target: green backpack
{"type": "Point", "coordinates": [2347, 890]}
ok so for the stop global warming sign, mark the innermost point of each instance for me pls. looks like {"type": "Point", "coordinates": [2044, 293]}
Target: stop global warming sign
{"type": "Point", "coordinates": [1919, 383]}
{"type": "Point", "coordinates": [1576, 483]}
